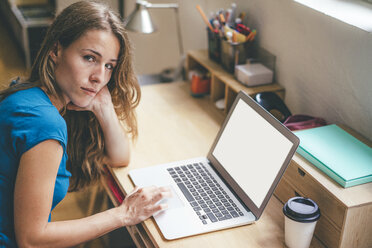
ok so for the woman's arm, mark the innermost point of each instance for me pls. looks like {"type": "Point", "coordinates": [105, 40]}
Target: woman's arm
{"type": "Point", "coordinates": [33, 197]}
{"type": "Point", "coordinates": [117, 146]}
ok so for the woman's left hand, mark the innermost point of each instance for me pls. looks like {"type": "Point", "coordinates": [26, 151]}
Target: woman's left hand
{"type": "Point", "coordinates": [100, 102]}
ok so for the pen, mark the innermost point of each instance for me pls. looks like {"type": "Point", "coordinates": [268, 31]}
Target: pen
{"type": "Point", "coordinates": [228, 18]}
{"type": "Point", "coordinates": [254, 34]}
{"type": "Point", "coordinates": [241, 28]}
{"type": "Point", "coordinates": [251, 36]}
{"type": "Point", "coordinates": [234, 37]}
{"type": "Point", "coordinates": [242, 15]}
{"type": "Point", "coordinates": [222, 19]}
{"type": "Point", "coordinates": [204, 18]}
{"type": "Point", "coordinates": [233, 11]}
{"type": "Point", "coordinates": [216, 24]}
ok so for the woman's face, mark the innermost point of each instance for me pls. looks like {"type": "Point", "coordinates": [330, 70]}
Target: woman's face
{"type": "Point", "coordinates": [85, 67]}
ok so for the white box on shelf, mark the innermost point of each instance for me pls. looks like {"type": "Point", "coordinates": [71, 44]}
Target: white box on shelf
{"type": "Point", "coordinates": [253, 74]}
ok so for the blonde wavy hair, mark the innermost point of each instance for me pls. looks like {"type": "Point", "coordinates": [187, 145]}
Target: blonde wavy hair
{"type": "Point", "coordinates": [86, 147]}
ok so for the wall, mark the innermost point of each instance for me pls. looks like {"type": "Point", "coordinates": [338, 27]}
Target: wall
{"type": "Point", "coordinates": [324, 64]}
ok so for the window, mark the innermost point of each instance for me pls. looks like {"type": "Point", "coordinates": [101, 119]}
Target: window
{"type": "Point", "coordinates": [354, 12]}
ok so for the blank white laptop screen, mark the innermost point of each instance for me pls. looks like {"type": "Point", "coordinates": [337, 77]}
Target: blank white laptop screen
{"type": "Point", "coordinates": [258, 153]}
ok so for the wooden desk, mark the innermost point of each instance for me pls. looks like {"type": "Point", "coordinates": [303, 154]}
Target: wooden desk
{"type": "Point", "coordinates": [175, 126]}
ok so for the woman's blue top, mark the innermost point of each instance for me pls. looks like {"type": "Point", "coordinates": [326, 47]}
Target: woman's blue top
{"type": "Point", "coordinates": [27, 118]}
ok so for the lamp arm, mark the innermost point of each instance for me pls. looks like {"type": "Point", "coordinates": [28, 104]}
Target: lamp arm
{"type": "Point", "coordinates": [161, 5]}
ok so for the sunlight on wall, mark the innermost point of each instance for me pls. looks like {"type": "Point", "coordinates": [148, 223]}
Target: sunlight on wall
{"type": "Point", "coordinates": [353, 12]}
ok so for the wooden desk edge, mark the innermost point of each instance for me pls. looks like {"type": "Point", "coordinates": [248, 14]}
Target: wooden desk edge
{"type": "Point", "coordinates": [144, 239]}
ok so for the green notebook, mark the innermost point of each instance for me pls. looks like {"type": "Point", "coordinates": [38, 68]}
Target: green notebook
{"type": "Point", "coordinates": [337, 153]}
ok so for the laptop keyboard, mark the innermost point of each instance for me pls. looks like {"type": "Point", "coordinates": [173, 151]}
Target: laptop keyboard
{"type": "Point", "coordinates": [205, 195]}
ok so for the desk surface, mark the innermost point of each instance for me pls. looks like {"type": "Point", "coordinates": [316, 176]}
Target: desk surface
{"type": "Point", "coordinates": [175, 126]}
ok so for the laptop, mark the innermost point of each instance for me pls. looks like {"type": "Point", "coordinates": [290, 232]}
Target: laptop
{"type": "Point", "coordinates": [232, 185]}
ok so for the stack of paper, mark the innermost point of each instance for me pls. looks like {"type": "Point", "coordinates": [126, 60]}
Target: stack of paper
{"type": "Point", "coordinates": [338, 154]}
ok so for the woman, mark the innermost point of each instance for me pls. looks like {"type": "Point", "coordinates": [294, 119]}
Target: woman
{"type": "Point", "coordinates": [81, 86]}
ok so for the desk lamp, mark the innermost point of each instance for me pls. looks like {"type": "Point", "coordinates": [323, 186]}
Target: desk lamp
{"type": "Point", "coordinates": [140, 21]}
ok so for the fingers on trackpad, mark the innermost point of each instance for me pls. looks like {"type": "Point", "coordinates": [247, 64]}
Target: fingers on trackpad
{"type": "Point", "coordinates": [174, 201]}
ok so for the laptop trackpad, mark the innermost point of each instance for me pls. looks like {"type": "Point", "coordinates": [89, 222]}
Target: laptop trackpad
{"type": "Point", "coordinates": [174, 201]}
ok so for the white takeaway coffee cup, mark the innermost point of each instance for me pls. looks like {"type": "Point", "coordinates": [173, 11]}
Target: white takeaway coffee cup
{"type": "Point", "coordinates": [300, 217]}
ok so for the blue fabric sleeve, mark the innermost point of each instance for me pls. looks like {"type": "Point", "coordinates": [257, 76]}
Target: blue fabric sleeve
{"type": "Point", "coordinates": [35, 126]}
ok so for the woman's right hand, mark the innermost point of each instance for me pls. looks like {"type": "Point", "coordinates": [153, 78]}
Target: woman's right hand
{"type": "Point", "coordinates": [142, 204]}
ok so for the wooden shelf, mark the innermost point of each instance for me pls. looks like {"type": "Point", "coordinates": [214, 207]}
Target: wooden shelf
{"type": "Point", "coordinates": [223, 84]}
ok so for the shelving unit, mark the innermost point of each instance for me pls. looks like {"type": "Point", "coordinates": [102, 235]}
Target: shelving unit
{"type": "Point", "coordinates": [29, 21]}
{"type": "Point", "coordinates": [223, 84]}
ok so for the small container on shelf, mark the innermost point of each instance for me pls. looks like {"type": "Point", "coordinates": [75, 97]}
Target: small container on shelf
{"type": "Point", "coordinates": [259, 70]}
{"type": "Point", "coordinates": [253, 74]}
{"type": "Point", "coordinates": [200, 83]}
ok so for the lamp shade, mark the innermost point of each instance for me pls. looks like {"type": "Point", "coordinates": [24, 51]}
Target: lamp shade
{"type": "Point", "coordinates": [140, 20]}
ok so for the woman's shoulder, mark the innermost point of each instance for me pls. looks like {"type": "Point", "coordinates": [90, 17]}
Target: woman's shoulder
{"type": "Point", "coordinates": [31, 118]}
{"type": "Point", "coordinates": [28, 97]}
{"type": "Point", "coordinates": [31, 105]}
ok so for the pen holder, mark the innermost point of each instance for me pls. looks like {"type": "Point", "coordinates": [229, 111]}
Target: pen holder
{"type": "Point", "coordinates": [233, 54]}
{"type": "Point", "coordinates": [214, 46]}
